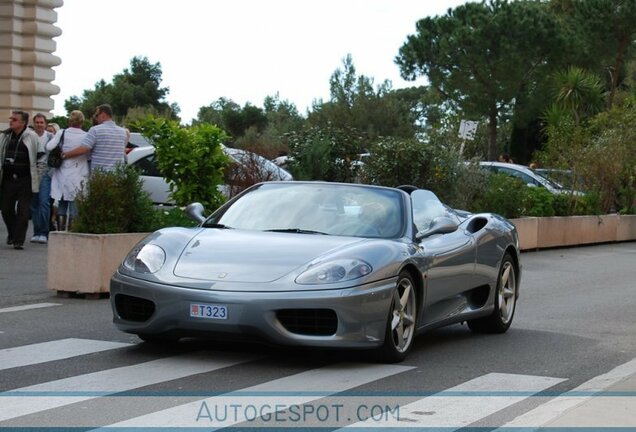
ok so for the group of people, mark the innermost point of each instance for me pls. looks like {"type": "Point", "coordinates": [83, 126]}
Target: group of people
{"type": "Point", "coordinates": [30, 189]}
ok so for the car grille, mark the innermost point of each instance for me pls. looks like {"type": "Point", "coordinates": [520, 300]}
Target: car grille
{"type": "Point", "coordinates": [134, 308]}
{"type": "Point", "coordinates": [312, 322]}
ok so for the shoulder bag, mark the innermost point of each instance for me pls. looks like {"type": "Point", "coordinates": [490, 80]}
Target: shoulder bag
{"type": "Point", "coordinates": [54, 159]}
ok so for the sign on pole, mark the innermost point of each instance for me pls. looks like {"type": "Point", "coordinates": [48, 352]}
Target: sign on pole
{"type": "Point", "coordinates": [467, 129]}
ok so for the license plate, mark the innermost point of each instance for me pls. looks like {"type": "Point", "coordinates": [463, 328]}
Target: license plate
{"type": "Point", "coordinates": [208, 311]}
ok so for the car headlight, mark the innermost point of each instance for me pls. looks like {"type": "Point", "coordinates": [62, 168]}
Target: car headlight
{"type": "Point", "coordinates": [334, 271]}
{"type": "Point", "coordinates": [145, 259]}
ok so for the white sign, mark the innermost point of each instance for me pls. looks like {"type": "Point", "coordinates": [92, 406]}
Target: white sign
{"type": "Point", "coordinates": [467, 129]}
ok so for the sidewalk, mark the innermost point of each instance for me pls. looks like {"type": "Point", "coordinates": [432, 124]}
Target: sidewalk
{"type": "Point", "coordinates": [22, 272]}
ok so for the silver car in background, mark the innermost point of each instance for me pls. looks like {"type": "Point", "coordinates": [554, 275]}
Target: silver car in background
{"type": "Point", "coordinates": [323, 265]}
{"type": "Point", "coordinates": [143, 157]}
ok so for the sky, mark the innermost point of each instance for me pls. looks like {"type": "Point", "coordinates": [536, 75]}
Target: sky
{"type": "Point", "coordinates": [243, 50]}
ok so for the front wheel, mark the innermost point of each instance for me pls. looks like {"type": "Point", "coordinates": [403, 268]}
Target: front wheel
{"type": "Point", "coordinates": [505, 301]}
{"type": "Point", "coordinates": [400, 327]}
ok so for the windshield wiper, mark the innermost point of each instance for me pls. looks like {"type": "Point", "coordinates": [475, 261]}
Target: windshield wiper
{"type": "Point", "coordinates": [217, 225]}
{"type": "Point", "coordinates": [296, 230]}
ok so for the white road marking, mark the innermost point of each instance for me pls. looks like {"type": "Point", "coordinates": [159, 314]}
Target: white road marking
{"type": "Point", "coordinates": [465, 404]}
{"type": "Point", "coordinates": [28, 307]}
{"type": "Point", "coordinates": [54, 350]}
{"type": "Point", "coordinates": [556, 407]}
{"type": "Point", "coordinates": [267, 398]}
{"type": "Point", "coordinates": [90, 386]}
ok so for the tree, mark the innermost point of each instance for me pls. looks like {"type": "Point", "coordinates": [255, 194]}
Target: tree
{"type": "Point", "coordinates": [609, 33]}
{"type": "Point", "coordinates": [483, 55]}
{"type": "Point", "coordinates": [134, 88]}
{"type": "Point", "coordinates": [578, 92]}
{"type": "Point", "coordinates": [355, 103]}
{"type": "Point", "coordinates": [229, 116]}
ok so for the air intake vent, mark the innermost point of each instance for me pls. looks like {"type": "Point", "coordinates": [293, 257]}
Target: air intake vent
{"type": "Point", "coordinates": [311, 322]}
{"type": "Point", "coordinates": [134, 308]}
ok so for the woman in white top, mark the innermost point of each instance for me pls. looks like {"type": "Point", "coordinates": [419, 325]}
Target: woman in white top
{"type": "Point", "coordinates": [68, 179]}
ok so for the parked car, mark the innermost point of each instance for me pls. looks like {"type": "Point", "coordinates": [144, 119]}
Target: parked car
{"type": "Point", "coordinates": [564, 177]}
{"type": "Point", "coordinates": [135, 139]}
{"type": "Point", "coordinates": [345, 265]}
{"type": "Point", "coordinates": [530, 177]}
{"type": "Point", "coordinates": [143, 157]}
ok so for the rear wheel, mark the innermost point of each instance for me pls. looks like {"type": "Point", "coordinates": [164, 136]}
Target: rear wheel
{"type": "Point", "coordinates": [400, 328]}
{"type": "Point", "coordinates": [505, 301]}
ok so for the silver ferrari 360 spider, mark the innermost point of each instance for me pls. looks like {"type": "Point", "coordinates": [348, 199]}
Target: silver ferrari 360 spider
{"type": "Point", "coordinates": [325, 265]}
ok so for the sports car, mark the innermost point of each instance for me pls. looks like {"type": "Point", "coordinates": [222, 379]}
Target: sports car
{"type": "Point", "coordinates": [323, 265]}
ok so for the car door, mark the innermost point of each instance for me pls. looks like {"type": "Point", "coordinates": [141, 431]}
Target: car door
{"type": "Point", "coordinates": [451, 256]}
{"type": "Point", "coordinates": [154, 183]}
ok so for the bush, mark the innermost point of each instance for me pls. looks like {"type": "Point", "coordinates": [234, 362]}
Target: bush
{"type": "Point", "coordinates": [114, 202]}
{"type": "Point", "coordinates": [503, 194]}
{"type": "Point", "coordinates": [398, 161]}
{"type": "Point", "coordinates": [538, 202]}
{"type": "Point", "coordinates": [171, 217]}
{"type": "Point", "coordinates": [324, 154]}
{"type": "Point", "coordinates": [190, 158]}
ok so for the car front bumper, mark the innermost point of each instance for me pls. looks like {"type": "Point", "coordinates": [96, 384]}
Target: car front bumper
{"type": "Point", "coordinates": [360, 313]}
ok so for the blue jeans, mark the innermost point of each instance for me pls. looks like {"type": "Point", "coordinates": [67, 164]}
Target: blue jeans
{"type": "Point", "coordinates": [41, 208]}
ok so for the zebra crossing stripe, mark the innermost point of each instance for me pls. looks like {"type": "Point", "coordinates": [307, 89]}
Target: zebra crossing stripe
{"type": "Point", "coordinates": [266, 398]}
{"type": "Point", "coordinates": [459, 406]}
{"type": "Point", "coordinates": [28, 307]}
{"type": "Point", "coordinates": [549, 412]}
{"type": "Point", "coordinates": [55, 394]}
{"type": "Point", "coordinates": [28, 355]}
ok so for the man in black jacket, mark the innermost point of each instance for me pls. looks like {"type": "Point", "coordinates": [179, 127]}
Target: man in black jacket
{"type": "Point", "coordinates": [19, 177]}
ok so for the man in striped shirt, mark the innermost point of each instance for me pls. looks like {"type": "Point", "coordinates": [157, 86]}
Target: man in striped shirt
{"type": "Point", "coordinates": [106, 141]}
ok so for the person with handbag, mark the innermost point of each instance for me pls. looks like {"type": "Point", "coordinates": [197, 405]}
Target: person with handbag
{"type": "Point", "coordinates": [72, 174]}
{"type": "Point", "coordinates": [19, 176]}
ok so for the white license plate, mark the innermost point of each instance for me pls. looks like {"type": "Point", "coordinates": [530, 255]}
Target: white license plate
{"type": "Point", "coordinates": [209, 311]}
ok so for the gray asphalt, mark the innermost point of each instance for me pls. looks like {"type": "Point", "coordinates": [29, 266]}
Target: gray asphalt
{"type": "Point", "coordinates": [22, 272]}
{"type": "Point", "coordinates": [23, 275]}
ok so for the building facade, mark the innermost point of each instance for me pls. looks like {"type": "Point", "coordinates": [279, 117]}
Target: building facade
{"type": "Point", "coordinates": [27, 29]}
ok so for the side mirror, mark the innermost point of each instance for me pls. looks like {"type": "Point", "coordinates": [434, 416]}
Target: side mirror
{"type": "Point", "coordinates": [195, 212]}
{"type": "Point", "coordinates": [440, 225]}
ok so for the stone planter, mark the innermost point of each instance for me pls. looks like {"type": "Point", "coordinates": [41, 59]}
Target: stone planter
{"type": "Point", "coordinates": [547, 232]}
{"type": "Point", "coordinates": [626, 229]}
{"type": "Point", "coordinates": [84, 263]}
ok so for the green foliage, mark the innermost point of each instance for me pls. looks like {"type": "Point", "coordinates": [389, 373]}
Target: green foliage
{"type": "Point", "coordinates": [229, 116]}
{"type": "Point", "coordinates": [190, 158]}
{"type": "Point", "coordinates": [484, 55]}
{"type": "Point", "coordinates": [171, 217]}
{"type": "Point", "coordinates": [602, 152]}
{"type": "Point", "coordinates": [137, 87]}
{"type": "Point", "coordinates": [502, 194]}
{"type": "Point", "coordinates": [568, 204]}
{"type": "Point", "coordinates": [538, 202]}
{"type": "Point", "coordinates": [324, 154]}
{"type": "Point", "coordinates": [114, 202]}
{"type": "Point", "coordinates": [398, 161]}
{"type": "Point", "coordinates": [374, 112]}
{"type": "Point", "coordinates": [577, 93]}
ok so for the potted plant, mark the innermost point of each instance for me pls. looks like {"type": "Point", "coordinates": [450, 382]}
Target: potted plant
{"type": "Point", "coordinates": [114, 213]}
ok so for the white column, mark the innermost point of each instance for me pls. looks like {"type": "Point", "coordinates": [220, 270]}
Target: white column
{"type": "Point", "coordinates": [27, 29]}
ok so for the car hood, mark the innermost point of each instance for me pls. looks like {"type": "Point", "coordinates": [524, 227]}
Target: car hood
{"type": "Point", "coordinates": [252, 256]}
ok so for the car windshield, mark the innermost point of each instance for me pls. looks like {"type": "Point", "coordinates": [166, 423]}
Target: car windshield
{"type": "Point", "coordinates": [548, 180]}
{"type": "Point", "coordinates": [320, 208]}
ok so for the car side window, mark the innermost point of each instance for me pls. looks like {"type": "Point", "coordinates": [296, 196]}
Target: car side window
{"type": "Point", "coordinates": [148, 166]}
{"type": "Point", "coordinates": [523, 176]}
{"type": "Point", "coordinates": [427, 207]}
